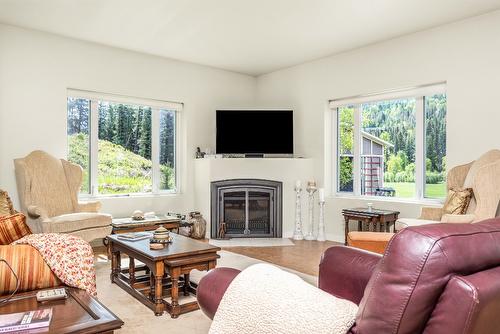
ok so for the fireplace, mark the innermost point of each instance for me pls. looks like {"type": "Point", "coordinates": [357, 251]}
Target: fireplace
{"type": "Point", "coordinates": [247, 208]}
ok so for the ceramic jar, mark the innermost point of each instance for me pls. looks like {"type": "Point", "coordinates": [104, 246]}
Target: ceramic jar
{"type": "Point", "coordinates": [199, 225]}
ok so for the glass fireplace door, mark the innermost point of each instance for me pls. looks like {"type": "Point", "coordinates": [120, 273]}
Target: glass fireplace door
{"type": "Point", "coordinates": [247, 211]}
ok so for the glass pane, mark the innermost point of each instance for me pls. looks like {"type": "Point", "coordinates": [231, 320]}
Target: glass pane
{"type": "Point", "coordinates": [78, 137]}
{"type": "Point", "coordinates": [167, 150]}
{"type": "Point", "coordinates": [234, 212]}
{"type": "Point", "coordinates": [345, 174]}
{"type": "Point", "coordinates": [390, 172]}
{"type": "Point", "coordinates": [435, 146]}
{"type": "Point", "coordinates": [259, 212]}
{"type": "Point", "coordinates": [124, 159]}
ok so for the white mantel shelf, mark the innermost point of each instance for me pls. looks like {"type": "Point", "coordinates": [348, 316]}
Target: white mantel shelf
{"type": "Point", "coordinates": [285, 170]}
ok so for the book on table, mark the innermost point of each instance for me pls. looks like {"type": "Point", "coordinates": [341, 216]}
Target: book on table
{"type": "Point", "coordinates": [134, 236]}
{"type": "Point", "coordinates": [21, 321]}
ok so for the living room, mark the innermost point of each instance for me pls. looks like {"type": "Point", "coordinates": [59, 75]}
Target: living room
{"type": "Point", "coordinates": [141, 89]}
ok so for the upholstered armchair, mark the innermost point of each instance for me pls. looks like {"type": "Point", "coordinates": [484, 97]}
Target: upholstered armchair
{"type": "Point", "coordinates": [433, 279]}
{"type": "Point", "coordinates": [48, 192]}
{"type": "Point", "coordinates": [483, 176]}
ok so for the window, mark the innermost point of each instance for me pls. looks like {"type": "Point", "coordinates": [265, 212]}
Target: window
{"type": "Point", "coordinates": [392, 144]}
{"type": "Point", "coordinates": [124, 145]}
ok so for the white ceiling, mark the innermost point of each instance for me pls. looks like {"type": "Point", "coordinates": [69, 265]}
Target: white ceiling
{"type": "Point", "coordinates": [247, 36]}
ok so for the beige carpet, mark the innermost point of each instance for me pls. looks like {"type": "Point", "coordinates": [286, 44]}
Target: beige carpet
{"type": "Point", "coordinates": [140, 319]}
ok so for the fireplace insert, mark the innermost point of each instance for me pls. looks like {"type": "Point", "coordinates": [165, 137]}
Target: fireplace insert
{"type": "Point", "coordinates": [246, 208]}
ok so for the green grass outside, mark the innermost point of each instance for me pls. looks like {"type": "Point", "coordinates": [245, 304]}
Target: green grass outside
{"type": "Point", "coordinates": [407, 189]}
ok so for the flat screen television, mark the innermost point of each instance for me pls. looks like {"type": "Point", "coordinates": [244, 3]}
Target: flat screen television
{"type": "Point", "coordinates": [254, 132]}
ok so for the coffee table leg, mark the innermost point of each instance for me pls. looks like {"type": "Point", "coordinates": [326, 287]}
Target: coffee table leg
{"type": "Point", "coordinates": [186, 285]}
{"type": "Point", "coordinates": [115, 264]}
{"type": "Point", "coordinates": [131, 271]}
{"type": "Point", "coordinates": [174, 276]}
{"type": "Point", "coordinates": [159, 271]}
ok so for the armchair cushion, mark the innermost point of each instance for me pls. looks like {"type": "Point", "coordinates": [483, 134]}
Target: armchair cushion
{"type": "Point", "coordinates": [371, 241]}
{"type": "Point", "coordinates": [402, 223]}
{"type": "Point", "coordinates": [13, 228]}
{"type": "Point", "coordinates": [79, 221]}
{"type": "Point", "coordinates": [461, 219]}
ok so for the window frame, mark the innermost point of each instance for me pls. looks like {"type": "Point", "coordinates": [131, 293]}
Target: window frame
{"type": "Point", "coordinates": [156, 106]}
{"type": "Point", "coordinates": [418, 93]}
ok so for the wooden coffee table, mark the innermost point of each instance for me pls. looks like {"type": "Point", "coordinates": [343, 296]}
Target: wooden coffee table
{"type": "Point", "coordinates": [79, 313]}
{"type": "Point", "coordinates": [156, 284]}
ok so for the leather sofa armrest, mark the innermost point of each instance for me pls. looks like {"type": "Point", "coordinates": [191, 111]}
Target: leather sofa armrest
{"type": "Point", "coordinates": [212, 287]}
{"type": "Point", "coordinates": [345, 271]}
{"type": "Point", "coordinates": [89, 206]}
{"type": "Point", "coordinates": [431, 213]}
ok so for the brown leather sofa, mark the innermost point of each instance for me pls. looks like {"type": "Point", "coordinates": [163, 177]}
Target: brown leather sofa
{"type": "Point", "coordinates": [432, 279]}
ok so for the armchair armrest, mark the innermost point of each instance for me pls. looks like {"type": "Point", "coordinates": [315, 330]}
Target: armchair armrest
{"type": "Point", "coordinates": [89, 206]}
{"type": "Point", "coordinates": [36, 212]}
{"type": "Point", "coordinates": [431, 213]}
{"type": "Point", "coordinates": [344, 271]}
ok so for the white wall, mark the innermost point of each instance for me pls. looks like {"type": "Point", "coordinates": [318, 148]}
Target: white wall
{"type": "Point", "coordinates": [36, 69]}
{"type": "Point", "coordinates": [465, 54]}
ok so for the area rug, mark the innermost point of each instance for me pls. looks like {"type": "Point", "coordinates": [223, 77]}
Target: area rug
{"type": "Point", "coordinates": [140, 319]}
{"type": "Point", "coordinates": [252, 242]}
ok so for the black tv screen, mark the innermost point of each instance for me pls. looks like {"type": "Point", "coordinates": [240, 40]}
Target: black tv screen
{"type": "Point", "coordinates": [254, 132]}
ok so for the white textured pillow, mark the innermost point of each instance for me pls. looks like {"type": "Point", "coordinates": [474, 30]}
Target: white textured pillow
{"type": "Point", "coordinates": [264, 299]}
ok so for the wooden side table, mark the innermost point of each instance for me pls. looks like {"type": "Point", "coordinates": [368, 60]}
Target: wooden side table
{"type": "Point", "coordinates": [375, 220]}
{"type": "Point", "coordinates": [79, 313]}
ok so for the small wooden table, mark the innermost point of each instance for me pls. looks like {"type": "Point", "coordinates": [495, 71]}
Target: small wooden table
{"type": "Point", "coordinates": [370, 220]}
{"type": "Point", "coordinates": [79, 313]}
{"type": "Point", "coordinates": [127, 225]}
{"type": "Point", "coordinates": [165, 271]}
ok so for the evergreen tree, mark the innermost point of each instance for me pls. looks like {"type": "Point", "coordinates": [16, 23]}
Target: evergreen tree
{"type": "Point", "coordinates": [145, 135]}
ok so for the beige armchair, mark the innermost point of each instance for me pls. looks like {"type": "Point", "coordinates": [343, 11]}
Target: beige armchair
{"type": "Point", "coordinates": [483, 176]}
{"type": "Point", "coordinates": [48, 191]}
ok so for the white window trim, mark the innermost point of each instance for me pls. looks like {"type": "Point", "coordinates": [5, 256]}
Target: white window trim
{"type": "Point", "coordinates": [155, 105]}
{"type": "Point", "coordinates": [418, 93]}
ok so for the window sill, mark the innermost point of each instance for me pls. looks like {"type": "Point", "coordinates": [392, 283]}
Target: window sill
{"type": "Point", "coordinates": [106, 197]}
{"type": "Point", "coordinates": [424, 201]}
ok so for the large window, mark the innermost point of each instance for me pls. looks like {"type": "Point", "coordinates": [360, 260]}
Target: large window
{"type": "Point", "coordinates": [392, 144]}
{"type": "Point", "coordinates": [124, 145]}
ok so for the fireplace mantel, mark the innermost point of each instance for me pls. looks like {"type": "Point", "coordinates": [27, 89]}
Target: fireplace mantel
{"type": "Point", "coordinates": [285, 170]}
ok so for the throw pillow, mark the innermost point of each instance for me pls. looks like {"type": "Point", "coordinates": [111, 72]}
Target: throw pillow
{"type": "Point", "coordinates": [6, 208]}
{"type": "Point", "coordinates": [13, 228]}
{"type": "Point", "coordinates": [457, 201]}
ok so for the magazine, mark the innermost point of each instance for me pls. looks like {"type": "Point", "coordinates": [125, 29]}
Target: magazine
{"type": "Point", "coordinates": [134, 236]}
{"type": "Point", "coordinates": [25, 320]}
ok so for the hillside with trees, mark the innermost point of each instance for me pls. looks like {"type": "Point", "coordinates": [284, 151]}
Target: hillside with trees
{"type": "Point", "coordinates": [124, 146]}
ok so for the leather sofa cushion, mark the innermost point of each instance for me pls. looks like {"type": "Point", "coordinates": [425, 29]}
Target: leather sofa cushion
{"type": "Point", "coordinates": [79, 221]}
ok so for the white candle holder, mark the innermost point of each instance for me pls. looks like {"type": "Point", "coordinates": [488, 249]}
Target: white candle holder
{"type": "Point", "coordinates": [311, 189]}
{"type": "Point", "coordinates": [321, 225]}
{"type": "Point", "coordinates": [297, 234]}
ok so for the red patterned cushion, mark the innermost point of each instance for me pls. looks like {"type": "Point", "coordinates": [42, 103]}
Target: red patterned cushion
{"type": "Point", "coordinates": [13, 228]}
